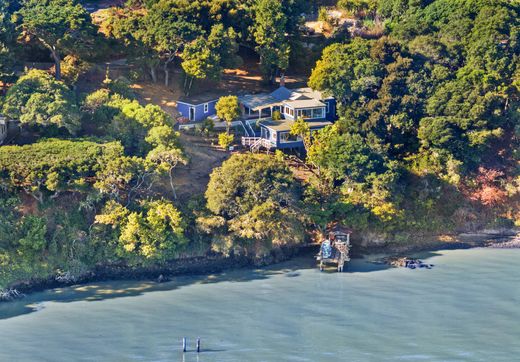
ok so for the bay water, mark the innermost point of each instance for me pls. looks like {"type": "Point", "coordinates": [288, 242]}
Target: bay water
{"type": "Point", "coordinates": [467, 308]}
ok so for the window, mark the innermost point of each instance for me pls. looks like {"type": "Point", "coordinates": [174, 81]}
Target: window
{"type": "Point", "coordinates": [311, 113]}
{"type": "Point", "coordinates": [286, 137]}
{"type": "Point", "coordinates": [206, 107]}
{"type": "Point", "coordinates": [305, 113]}
{"type": "Point", "coordinates": [328, 107]}
{"type": "Point", "coordinates": [318, 113]}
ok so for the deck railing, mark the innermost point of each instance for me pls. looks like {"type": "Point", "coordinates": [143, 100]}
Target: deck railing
{"type": "Point", "coordinates": [255, 143]}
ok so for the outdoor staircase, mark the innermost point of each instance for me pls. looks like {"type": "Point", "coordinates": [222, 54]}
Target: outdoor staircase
{"type": "Point", "coordinates": [256, 143]}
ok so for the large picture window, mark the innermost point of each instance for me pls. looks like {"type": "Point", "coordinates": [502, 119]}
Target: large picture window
{"type": "Point", "coordinates": [286, 137]}
{"type": "Point", "coordinates": [311, 113]}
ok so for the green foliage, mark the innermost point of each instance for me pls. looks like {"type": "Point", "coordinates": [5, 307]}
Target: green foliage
{"type": "Point", "coordinates": [38, 99]}
{"type": "Point", "coordinates": [359, 7]}
{"type": "Point", "coordinates": [207, 55]}
{"type": "Point", "coordinates": [225, 140]}
{"type": "Point", "coordinates": [155, 232]}
{"type": "Point", "coordinates": [344, 157]}
{"type": "Point", "coordinates": [54, 165]}
{"type": "Point", "coordinates": [61, 26]}
{"type": "Point", "coordinates": [7, 40]}
{"type": "Point", "coordinates": [120, 176]}
{"type": "Point", "coordinates": [165, 29]}
{"type": "Point", "coordinates": [438, 90]}
{"type": "Point", "coordinates": [139, 128]}
{"type": "Point", "coordinates": [277, 116]}
{"type": "Point", "coordinates": [347, 70]}
{"type": "Point", "coordinates": [323, 15]}
{"type": "Point", "coordinates": [269, 33]}
{"type": "Point", "coordinates": [228, 109]}
{"type": "Point", "coordinates": [253, 203]}
{"type": "Point", "coordinates": [302, 129]}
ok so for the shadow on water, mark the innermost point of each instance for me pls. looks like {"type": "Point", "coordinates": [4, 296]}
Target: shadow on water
{"type": "Point", "coordinates": [131, 288]}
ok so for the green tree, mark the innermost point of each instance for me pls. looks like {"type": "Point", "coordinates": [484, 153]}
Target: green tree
{"type": "Point", "coordinates": [53, 166]}
{"type": "Point", "coordinates": [225, 140]}
{"type": "Point", "coordinates": [359, 7]}
{"type": "Point", "coordinates": [153, 232]}
{"type": "Point", "coordinates": [302, 129]}
{"type": "Point", "coordinates": [167, 30]}
{"type": "Point", "coordinates": [347, 71]}
{"type": "Point", "coordinates": [254, 198]}
{"type": "Point", "coordinates": [167, 158]}
{"type": "Point", "coordinates": [123, 178]}
{"type": "Point", "coordinates": [7, 38]}
{"type": "Point", "coordinates": [228, 109]}
{"type": "Point", "coordinates": [61, 26]}
{"type": "Point", "coordinates": [39, 99]}
{"type": "Point", "coordinates": [206, 57]}
{"type": "Point", "coordinates": [269, 34]}
{"type": "Point", "coordinates": [344, 157]}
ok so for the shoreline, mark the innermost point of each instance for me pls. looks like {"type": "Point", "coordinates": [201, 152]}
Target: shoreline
{"type": "Point", "coordinates": [210, 264]}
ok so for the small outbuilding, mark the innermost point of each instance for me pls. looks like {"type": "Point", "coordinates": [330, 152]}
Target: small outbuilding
{"type": "Point", "coordinates": [198, 107]}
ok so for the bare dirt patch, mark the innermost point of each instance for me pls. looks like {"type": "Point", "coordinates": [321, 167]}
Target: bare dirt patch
{"type": "Point", "coordinates": [192, 179]}
{"type": "Point", "coordinates": [159, 94]}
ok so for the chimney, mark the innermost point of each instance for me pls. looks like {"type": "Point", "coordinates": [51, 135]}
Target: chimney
{"type": "Point", "coordinates": [282, 80]}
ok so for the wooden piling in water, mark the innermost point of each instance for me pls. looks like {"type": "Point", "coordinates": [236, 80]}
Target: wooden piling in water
{"type": "Point", "coordinates": [198, 345]}
{"type": "Point", "coordinates": [184, 344]}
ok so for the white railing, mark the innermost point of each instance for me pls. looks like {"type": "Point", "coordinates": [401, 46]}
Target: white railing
{"type": "Point", "coordinates": [250, 122]}
{"type": "Point", "coordinates": [249, 141]}
{"type": "Point", "coordinates": [255, 143]}
{"type": "Point", "coordinates": [218, 125]}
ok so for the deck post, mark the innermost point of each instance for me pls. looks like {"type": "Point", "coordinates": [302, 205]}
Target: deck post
{"type": "Point", "coordinates": [183, 344]}
{"type": "Point", "coordinates": [198, 345]}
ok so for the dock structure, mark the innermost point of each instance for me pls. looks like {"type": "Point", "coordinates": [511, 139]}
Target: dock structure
{"type": "Point", "coordinates": [335, 249]}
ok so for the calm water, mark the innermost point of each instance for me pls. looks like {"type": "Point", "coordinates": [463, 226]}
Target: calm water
{"type": "Point", "coordinates": [465, 309]}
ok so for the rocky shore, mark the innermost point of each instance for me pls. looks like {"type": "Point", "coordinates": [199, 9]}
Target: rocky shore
{"type": "Point", "coordinates": [419, 243]}
{"type": "Point", "coordinates": [510, 244]}
{"type": "Point", "coordinates": [209, 264]}
{"type": "Point", "coordinates": [202, 265]}
{"type": "Point", "coordinates": [8, 295]}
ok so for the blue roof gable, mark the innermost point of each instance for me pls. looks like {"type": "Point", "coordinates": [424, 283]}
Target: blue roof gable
{"type": "Point", "coordinates": [282, 94]}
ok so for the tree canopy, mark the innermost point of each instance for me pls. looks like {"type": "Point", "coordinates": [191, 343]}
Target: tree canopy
{"type": "Point", "coordinates": [62, 26]}
{"type": "Point", "coordinates": [255, 199]}
{"type": "Point", "coordinates": [39, 99]}
{"type": "Point", "coordinates": [269, 33]}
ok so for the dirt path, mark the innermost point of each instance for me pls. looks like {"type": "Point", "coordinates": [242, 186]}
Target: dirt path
{"type": "Point", "coordinates": [193, 179]}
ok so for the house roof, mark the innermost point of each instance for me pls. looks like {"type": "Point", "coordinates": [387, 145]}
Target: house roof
{"type": "Point", "coordinates": [285, 124]}
{"type": "Point", "coordinates": [311, 93]}
{"type": "Point", "coordinates": [259, 101]}
{"type": "Point", "coordinates": [337, 228]}
{"type": "Point", "coordinates": [297, 98]}
{"type": "Point", "coordinates": [305, 103]}
{"type": "Point", "coordinates": [282, 93]}
{"type": "Point", "coordinates": [200, 98]}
